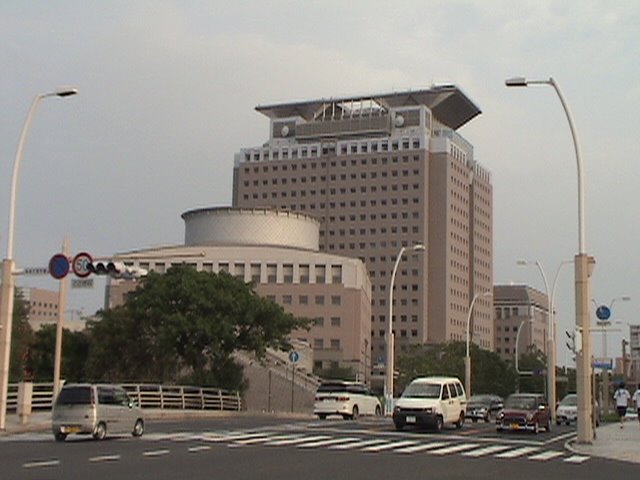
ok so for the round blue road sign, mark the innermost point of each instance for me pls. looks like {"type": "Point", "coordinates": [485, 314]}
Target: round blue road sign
{"type": "Point", "coordinates": [603, 312]}
{"type": "Point", "coordinates": [59, 266]}
{"type": "Point", "coordinates": [294, 356]}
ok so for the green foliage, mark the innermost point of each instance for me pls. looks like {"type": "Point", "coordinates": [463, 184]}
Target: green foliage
{"type": "Point", "coordinates": [489, 373]}
{"type": "Point", "coordinates": [75, 350]}
{"type": "Point", "coordinates": [186, 325]}
{"type": "Point", "coordinates": [21, 338]}
{"type": "Point", "coordinates": [535, 361]}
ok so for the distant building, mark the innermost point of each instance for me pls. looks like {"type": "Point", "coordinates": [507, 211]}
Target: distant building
{"type": "Point", "coordinates": [278, 251]}
{"type": "Point", "coordinates": [519, 307]}
{"type": "Point", "coordinates": [43, 309]}
{"type": "Point", "coordinates": [382, 172]}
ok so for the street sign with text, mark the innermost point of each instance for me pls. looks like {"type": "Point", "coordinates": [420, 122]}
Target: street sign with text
{"type": "Point", "coordinates": [82, 283]}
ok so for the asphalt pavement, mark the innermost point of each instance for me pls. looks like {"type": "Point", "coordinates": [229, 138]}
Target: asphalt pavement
{"type": "Point", "coordinates": [611, 442]}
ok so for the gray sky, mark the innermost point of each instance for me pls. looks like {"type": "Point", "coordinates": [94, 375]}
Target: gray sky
{"type": "Point", "coordinates": [168, 90]}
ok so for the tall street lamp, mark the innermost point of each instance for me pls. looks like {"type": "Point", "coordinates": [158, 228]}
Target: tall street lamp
{"type": "Point", "coordinates": [388, 384]}
{"type": "Point", "coordinates": [467, 358]}
{"type": "Point", "coordinates": [8, 286]}
{"type": "Point", "coordinates": [583, 268]}
{"type": "Point", "coordinates": [551, 330]}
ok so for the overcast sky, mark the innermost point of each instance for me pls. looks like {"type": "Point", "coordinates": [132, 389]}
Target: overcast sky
{"type": "Point", "coordinates": [168, 90]}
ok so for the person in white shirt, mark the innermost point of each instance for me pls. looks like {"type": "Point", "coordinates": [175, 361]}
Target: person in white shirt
{"type": "Point", "coordinates": [636, 399]}
{"type": "Point", "coordinates": [622, 397]}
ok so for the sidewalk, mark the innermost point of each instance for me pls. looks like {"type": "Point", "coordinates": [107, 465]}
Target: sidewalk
{"type": "Point", "coordinates": [613, 442]}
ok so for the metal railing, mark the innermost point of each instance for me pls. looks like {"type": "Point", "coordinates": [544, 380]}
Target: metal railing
{"type": "Point", "coordinates": [179, 397]}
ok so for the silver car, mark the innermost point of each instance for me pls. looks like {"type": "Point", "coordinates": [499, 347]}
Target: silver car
{"type": "Point", "coordinates": [95, 410]}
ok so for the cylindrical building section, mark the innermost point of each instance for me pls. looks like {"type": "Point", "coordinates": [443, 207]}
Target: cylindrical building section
{"type": "Point", "coordinates": [256, 226]}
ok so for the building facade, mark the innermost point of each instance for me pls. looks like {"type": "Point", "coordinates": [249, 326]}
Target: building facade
{"type": "Point", "coordinates": [279, 253]}
{"type": "Point", "coordinates": [43, 309]}
{"type": "Point", "coordinates": [379, 173]}
{"type": "Point", "coordinates": [521, 320]}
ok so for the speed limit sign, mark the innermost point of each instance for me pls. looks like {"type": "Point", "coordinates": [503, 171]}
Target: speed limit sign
{"type": "Point", "coordinates": [80, 264]}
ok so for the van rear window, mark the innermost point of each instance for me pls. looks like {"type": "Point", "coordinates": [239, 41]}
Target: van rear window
{"type": "Point", "coordinates": [75, 396]}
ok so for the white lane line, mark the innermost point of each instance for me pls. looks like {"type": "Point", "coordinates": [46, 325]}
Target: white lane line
{"type": "Point", "coordinates": [298, 439]}
{"type": "Point", "coordinates": [358, 444]}
{"type": "Point", "coordinates": [267, 438]}
{"type": "Point", "coordinates": [104, 458]}
{"type": "Point", "coordinates": [548, 455]}
{"type": "Point", "coordinates": [42, 463]}
{"type": "Point", "coordinates": [486, 450]}
{"type": "Point", "coordinates": [388, 446]}
{"type": "Point", "coordinates": [517, 452]}
{"type": "Point", "coordinates": [577, 459]}
{"type": "Point", "coordinates": [199, 448]}
{"type": "Point", "coordinates": [155, 453]}
{"type": "Point", "coordinates": [325, 443]}
{"type": "Point", "coordinates": [454, 448]}
{"type": "Point", "coordinates": [234, 436]}
{"type": "Point", "coordinates": [421, 448]}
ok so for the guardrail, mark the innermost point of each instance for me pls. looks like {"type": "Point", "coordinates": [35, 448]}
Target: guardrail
{"type": "Point", "coordinates": [180, 397]}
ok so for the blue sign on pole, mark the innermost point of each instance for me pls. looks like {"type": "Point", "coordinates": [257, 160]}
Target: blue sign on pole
{"type": "Point", "coordinates": [294, 356]}
{"type": "Point", "coordinates": [603, 312]}
{"type": "Point", "coordinates": [59, 266]}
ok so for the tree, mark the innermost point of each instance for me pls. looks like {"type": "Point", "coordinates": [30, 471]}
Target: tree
{"type": "Point", "coordinates": [184, 326]}
{"type": "Point", "coordinates": [535, 361]}
{"type": "Point", "coordinates": [489, 373]}
{"type": "Point", "coordinates": [21, 338]}
{"type": "Point", "coordinates": [75, 350]}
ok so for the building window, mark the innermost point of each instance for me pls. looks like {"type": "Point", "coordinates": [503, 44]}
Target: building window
{"type": "Point", "coordinates": [318, 322]}
{"type": "Point", "coordinates": [255, 273]}
{"type": "Point", "coordinates": [321, 273]}
{"type": "Point", "coordinates": [223, 267]}
{"type": "Point", "coordinates": [336, 300]}
{"type": "Point", "coordinates": [318, 343]}
{"type": "Point", "coordinates": [335, 344]}
{"type": "Point", "coordinates": [287, 270]}
{"type": "Point", "coordinates": [303, 300]}
{"type": "Point", "coordinates": [319, 299]}
{"type": "Point", "coordinates": [286, 299]}
{"type": "Point", "coordinates": [272, 272]}
{"type": "Point", "coordinates": [335, 321]}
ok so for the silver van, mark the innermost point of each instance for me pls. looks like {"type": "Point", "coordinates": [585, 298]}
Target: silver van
{"type": "Point", "coordinates": [95, 410]}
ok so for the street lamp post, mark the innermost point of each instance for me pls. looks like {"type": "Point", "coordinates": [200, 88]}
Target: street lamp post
{"type": "Point", "coordinates": [8, 266]}
{"type": "Point", "coordinates": [583, 268]}
{"type": "Point", "coordinates": [551, 330]}
{"type": "Point", "coordinates": [467, 358]}
{"type": "Point", "coordinates": [388, 384]}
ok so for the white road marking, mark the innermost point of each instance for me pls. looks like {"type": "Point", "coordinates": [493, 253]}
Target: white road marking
{"type": "Point", "coordinates": [358, 444]}
{"type": "Point", "coordinates": [42, 463]}
{"type": "Point", "coordinates": [104, 458]}
{"type": "Point", "coordinates": [266, 438]}
{"type": "Point", "coordinates": [155, 453]}
{"type": "Point", "coordinates": [420, 448]}
{"type": "Point", "coordinates": [517, 452]}
{"type": "Point", "coordinates": [454, 448]}
{"type": "Point", "coordinates": [325, 443]}
{"type": "Point", "coordinates": [546, 455]}
{"type": "Point", "coordinates": [486, 450]}
{"type": "Point", "coordinates": [577, 459]}
{"type": "Point", "coordinates": [388, 446]}
{"type": "Point", "coordinates": [293, 441]}
{"type": "Point", "coordinates": [199, 448]}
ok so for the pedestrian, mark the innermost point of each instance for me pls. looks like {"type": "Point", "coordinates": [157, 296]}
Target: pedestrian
{"type": "Point", "coordinates": [636, 399]}
{"type": "Point", "coordinates": [622, 397]}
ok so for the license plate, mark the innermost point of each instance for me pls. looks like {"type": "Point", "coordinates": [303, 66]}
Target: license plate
{"type": "Point", "coordinates": [70, 429]}
{"type": "Point", "coordinates": [411, 419]}
{"type": "Point", "coordinates": [514, 426]}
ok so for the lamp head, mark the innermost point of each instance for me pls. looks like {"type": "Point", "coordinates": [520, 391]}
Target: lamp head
{"type": "Point", "coordinates": [419, 248]}
{"type": "Point", "coordinates": [516, 82]}
{"type": "Point", "coordinates": [65, 92]}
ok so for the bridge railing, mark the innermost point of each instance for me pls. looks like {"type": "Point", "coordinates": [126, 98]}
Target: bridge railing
{"type": "Point", "coordinates": [182, 397]}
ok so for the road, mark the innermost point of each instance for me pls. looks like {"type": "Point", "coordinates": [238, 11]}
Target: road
{"type": "Point", "coordinates": [268, 448]}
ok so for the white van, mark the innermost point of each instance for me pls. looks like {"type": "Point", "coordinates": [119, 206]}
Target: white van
{"type": "Point", "coordinates": [431, 402]}
{"type": "Point", "coordinates": [95, 410]}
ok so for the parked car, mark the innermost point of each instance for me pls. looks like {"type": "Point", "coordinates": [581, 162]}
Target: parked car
{"type": "Point", "coordinates": [95, 410]}
{"type": "Point", "coordinates": [349, 399]}
{"type": "Point", "coordinates": [432, 402]}
{"type": "Point", "coordinates": [524, 411]}
{"type": "Point", "coordinates": [483, 407]}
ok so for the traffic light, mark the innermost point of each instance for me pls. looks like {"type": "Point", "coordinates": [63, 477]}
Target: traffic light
{"type": "Point", "coordinates": [116, 269]}
{"type": "Point", "coordinates": [575, 340]}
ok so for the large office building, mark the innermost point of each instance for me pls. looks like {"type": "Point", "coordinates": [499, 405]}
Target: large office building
{"type": "Point", "coordinates": [382, 172]}
{"type": "Point", "coordinates": [521, 320]}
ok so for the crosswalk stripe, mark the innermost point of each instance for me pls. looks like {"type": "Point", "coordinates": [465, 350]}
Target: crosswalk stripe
{"type": "Point", "coordinates": [267, 438]}
{"type": "Point", "coordinates": [324, 443]}
{"type": "Point", "coordinates": [358, 444]}
{"type": "Point", "coordinates": [388, 446]}
{"type": "Point", "coordinates": [548, 455]}
{"type": "Point", "coordinates": [454, 448]}
{"type": "Point", "coordinates": [420, 448]}
{"type": "Point", "coordinates": [231, 436]}
{"type": "Point", "coordinates": [577, 459]}
{"type": "Point", "coordinates": [517, 452]}
{"type": "Point", "coordinates": [293, 441]}
{"type": "Point", "coordinates": [486, 450]}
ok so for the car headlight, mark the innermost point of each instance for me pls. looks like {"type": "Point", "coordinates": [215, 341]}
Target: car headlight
{"type": "Point", "coordinates": [529, 416]}
{"type": "Point", "coordinates": [482, 410]}
{"type": "Point", "coordinates": [500, 416]}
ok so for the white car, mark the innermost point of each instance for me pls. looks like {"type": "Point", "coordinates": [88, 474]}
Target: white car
{"type": "Point", "coordinates": [567, 410]}
{"type": "Point", "coordinates": [348, 399]}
